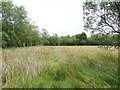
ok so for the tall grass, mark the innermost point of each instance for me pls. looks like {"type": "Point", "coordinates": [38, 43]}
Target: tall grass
{"type": "Point", "coordinates": [59, 67]}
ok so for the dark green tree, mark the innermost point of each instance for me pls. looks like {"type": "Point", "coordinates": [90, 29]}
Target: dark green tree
{"type": "Point", "coordinates": [16, 27]}
{"type": "Point", "coordinates": [81, 38]}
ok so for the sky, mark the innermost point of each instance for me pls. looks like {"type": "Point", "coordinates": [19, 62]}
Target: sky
{"type": "Point", "coordinates": [62, 17]}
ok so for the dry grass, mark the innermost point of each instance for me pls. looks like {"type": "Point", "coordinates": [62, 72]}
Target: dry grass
{"type": "Point", "coordinates": [59, 67]}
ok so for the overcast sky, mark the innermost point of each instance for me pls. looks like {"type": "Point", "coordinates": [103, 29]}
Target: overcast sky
{"type": "Point", "coordinates": [56, 16]}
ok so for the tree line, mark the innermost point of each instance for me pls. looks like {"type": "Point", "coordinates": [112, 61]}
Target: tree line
{"type": "Point", "coordinates": [79, 39]}
{"type": "Point", "coordinates": [18, 31]}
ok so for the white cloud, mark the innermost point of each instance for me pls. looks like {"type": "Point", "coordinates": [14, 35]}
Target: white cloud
{"type": "Point", "coordinates": [57, 16]}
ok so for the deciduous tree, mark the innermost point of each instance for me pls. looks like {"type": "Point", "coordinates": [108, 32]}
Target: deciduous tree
{"type": "Point", "coordinates": [102, 17]}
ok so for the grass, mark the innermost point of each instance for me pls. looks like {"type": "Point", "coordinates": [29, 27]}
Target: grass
{"type": "Point", "coordinates": [59, 67]}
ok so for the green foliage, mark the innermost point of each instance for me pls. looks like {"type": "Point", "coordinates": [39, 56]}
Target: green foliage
{"type": "Point", "coordinates": [44, 34]}
{"type": "Point", "coordinates": [16, 28]}
{"type": "Point", "coordinates": [54, 40]}
{"type": "Point", "coordinates": [97, 39]}
{"type": "Point", "coordinates": [0, 39]}
{"type": "Point", "coordinates": [5, 39]}
{"type": "Point", "coordinates": [17, 31]}
{"type": "Point", "coordinates": [102, 17]}
{"type": "Point", "coordinates": [82, 36]}
{"type": "Point", "coordinates": [13, 39]}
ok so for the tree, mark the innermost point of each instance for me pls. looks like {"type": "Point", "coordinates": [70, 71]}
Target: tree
{"type": "Point", "coordinates": [0, 39]}
{"type": "Point", "coordinates": [16, 27]}
{"type": "Point", "coordinates": [64, 40]}
{"type": "Point", "coordinates": [113, 40]}
{"type": "Point", "coordinates": [81, 38]}
{"type": "Point", "coordinates": [54, 40]}
{"type": "Point", "coordinates": [5, 39]}
{"type": "Point", "coordinates": [45, 34]}
{"type": "Point", "coordinates": [102, 17]}
{"type": "Point", "coordinates": [72, 40]}
{"type": "Point", "coordinates": [96, 40]}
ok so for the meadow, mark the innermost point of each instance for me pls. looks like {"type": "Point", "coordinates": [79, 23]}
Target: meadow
{"type": "Point", "coordinates": [59, 67]}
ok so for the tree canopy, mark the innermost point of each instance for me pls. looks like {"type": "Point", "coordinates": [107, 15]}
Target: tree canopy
{"type": "Point", "coordinates": [18, 31]}
{"type": "Point", "coordinates": [16, 27]}
{"type": "Point", "coordinates": [102, 17]}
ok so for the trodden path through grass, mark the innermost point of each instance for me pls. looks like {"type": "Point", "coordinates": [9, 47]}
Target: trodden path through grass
{"type": "Point", "coordinates": [59, 67]}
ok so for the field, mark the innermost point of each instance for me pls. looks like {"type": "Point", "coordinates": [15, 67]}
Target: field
{"type": "Point", "coordinates": [59, 67]}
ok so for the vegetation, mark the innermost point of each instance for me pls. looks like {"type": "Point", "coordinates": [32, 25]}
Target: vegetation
{"type": "Point", "coordinates": [54, 61]}
{"type": "Point", "coordinates": [59, 67]}
{"type": "Point", "coordinates": [17, 31]}
{"type": "Point", "coordinates": [102, 16]}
